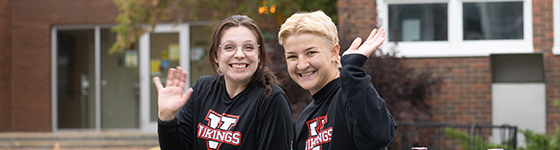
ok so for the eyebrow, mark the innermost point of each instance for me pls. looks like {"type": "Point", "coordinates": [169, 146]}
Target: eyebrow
{"type": "Point", "coordinates": [307, 49]}
{"type": "Point", "coordinates": [241, 42]}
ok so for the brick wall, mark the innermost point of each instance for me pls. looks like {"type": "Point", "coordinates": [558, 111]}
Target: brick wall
{"type": "Point", "coordinates": [356, 17]}
{"type": "Point", "coordinates": [32, 21]}
{"type": "Point", "coordinates": [465, 97]}
{"type": "Point", "coordinates": [543, 40]}
{"type": "Point", "coordinates": [5, 67]}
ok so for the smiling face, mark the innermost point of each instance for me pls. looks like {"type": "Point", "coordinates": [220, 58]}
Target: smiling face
{"type": "Point", "coordinates": [237, 68]}
{"type": "Point", "coordinates": [311, 60]}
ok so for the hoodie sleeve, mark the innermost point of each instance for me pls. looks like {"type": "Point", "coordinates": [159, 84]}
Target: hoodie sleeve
{"type": "Point", "coordinates": [179, 133]}
{"type": "Point", "coordinates": [276, 125]}
{"type": "Point", "coordinates": [370, 122]}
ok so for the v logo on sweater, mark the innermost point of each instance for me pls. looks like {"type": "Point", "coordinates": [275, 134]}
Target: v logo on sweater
{"type": "Point", "coordinates": [318, 135]}
{"type": "Point", "coordinates": [218, 130]}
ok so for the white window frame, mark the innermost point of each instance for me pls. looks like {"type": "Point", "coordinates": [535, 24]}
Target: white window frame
{"type": "Point", "coordinates": [556, 16]}
{"type": "Point", "coordinates": [183, 29]}
{"type": "Point", "coordinates": [455, 46]}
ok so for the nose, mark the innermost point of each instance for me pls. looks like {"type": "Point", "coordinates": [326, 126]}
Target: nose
{"type": "Point", "coordinates": [239, 53]}
{"type": "Point", "coordinates": [302, 63]}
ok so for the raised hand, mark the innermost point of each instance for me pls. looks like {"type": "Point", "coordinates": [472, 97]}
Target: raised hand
{"type": "Point", "coordinates": [171, 97]}
{"type": "Point", "coordinates": [374, 40]}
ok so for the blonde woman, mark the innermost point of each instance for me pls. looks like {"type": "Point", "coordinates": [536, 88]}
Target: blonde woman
{"type": "Point", "coordinates": [346, 111]}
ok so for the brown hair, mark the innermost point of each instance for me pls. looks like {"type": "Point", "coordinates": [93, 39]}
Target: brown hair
{"type": "Point", "coordinates": [263, 75]}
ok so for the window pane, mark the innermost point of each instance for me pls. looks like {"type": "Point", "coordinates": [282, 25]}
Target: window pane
{"type": "Point", "coordinates": [418, 22]}
{"type": "Point", "coordinates": [201, 37]}
{"type": "Point", "coordinates": [120, 99]}
{"type": "Point", "coordinates": [492, 20]}
{"type": "Point", "coordinates": [164, 53]}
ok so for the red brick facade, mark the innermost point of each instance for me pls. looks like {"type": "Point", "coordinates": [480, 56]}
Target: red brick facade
{"type": "Point", "coordinates": [466, 95]}
{"type": "Point", "coordinates": [31, 50]}
{"type": "Point", "coordinates": [543, 40]}
{"type": "Point", "coordinates": [5, 66]}
{"type": "Point", "coordinates": [356, 17]}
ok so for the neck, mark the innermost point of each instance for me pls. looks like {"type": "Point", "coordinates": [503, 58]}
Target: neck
{"type": "Point", "coordinates": [233, 88]}
{"type": "Point", "coordinates": [332, 76]}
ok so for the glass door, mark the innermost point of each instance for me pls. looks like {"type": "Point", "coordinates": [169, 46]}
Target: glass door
{"type": "Point", "coordinates": [119, 82]}
{"type": "Point", "coordinates": [75, 79]}
{"type": "Point", "coordinates": [166, 47]}
{"type": "Point", "coordinates": [92, 89]}
{"type": "Point", "coordinates": [95, 90]}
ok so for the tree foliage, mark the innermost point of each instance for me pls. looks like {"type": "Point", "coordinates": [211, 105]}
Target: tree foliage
{"type": "Point", "coordinates": [137, 17]}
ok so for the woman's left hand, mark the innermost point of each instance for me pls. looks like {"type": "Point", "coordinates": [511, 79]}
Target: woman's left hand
{"type": "Point", "coordinates": [374, 40]}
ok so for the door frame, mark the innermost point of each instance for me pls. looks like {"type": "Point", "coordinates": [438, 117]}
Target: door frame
{"type": "Point", "coordinates": [144, 71]}
{"type": "Point", "coordinates": [54, 73]}
{"type": "Point", "coordinates": [146, 125]}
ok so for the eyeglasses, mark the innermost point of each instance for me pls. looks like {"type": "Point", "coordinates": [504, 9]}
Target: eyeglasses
{"type": "Point", "coordinates": [249, 48]}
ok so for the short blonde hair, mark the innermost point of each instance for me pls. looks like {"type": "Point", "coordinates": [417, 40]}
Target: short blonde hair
{"type": "Point", "coordinates": [316, 22]}
{"type": "Point", "coordinates": [309, 22]}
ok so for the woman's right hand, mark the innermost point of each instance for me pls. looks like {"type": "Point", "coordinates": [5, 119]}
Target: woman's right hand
{"type": "Point", "coordinates": [171, 97]}
{"type": "Point", "coordinates": [374, 40]}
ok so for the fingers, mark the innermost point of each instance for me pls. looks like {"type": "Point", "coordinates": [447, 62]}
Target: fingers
{"type": "Point", "coordinates": [170, 77]}
{"type": "Point", "coordinates": [372, 35]}
{"type": "Point", "coordinates": [157, 83]}
{"type": "Point", "coordinates": [187, 94]}
{"type": "Point", "coordinates": [375, 36]}
{"type": "Point", "coordinates": [380, 38]}
{"type": "Point", "coordinates": [181, 77]}
{"type": "Point", "coordinates": [355, 44]}
{"type": "Point", "coordinates": [175, 77]}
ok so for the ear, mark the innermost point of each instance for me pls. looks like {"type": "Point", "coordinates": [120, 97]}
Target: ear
{"type": "Point", "coordinates": [335, 49]}
{"type": "Point", "coordinates": [216, 60]}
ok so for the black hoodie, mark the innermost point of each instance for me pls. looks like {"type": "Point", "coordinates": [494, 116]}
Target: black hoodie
{"type": "Point", "coordinates": [212, 120]}
{"type": "Point", "coordinates": [346, 114]}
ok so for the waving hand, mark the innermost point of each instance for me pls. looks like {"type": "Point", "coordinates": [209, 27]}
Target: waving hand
{"type": "Point", "coordinates": [171, 97]}
{"type": "Point", "coordinates": [374, 40]}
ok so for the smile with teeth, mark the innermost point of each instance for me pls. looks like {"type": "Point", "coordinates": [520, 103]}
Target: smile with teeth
{"type": "Point", "coordinates": [306, 74]}
{"type": "Point", "coordinates": [239, 66]}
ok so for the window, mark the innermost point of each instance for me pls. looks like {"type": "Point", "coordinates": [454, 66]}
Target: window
{"type": "Point", "coordinates": [492, 20]}
{"type": "Point", "coordinates": [447, 28]}
{"type": "Point", "coordinates": [418, 22]}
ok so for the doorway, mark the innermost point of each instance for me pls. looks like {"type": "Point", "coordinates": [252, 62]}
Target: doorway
{"type": "Point", "coordinates": [95, 90]}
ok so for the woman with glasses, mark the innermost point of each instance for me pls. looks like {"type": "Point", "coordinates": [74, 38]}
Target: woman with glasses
{"type": "Point", "coordinates": [241, 107]}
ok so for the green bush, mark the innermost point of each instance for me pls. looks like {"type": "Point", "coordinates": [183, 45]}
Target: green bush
{"type": "Point", "coordinates": [537, 141]}
{"type": "Point", "coordinates": [533, 141]}
{"type": "Point", "coordinates": [467, 142]}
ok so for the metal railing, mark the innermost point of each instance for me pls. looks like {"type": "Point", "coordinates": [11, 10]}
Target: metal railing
{"type": "Point", "coordinates": [434, 136]}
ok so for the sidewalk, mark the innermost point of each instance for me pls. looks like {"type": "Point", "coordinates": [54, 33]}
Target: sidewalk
{"type": "Point", "coordinates": [78, 140]}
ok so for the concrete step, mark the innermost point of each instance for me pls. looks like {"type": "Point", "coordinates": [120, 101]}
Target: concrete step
{"type": "Point", "coordinates": [78, 140]}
